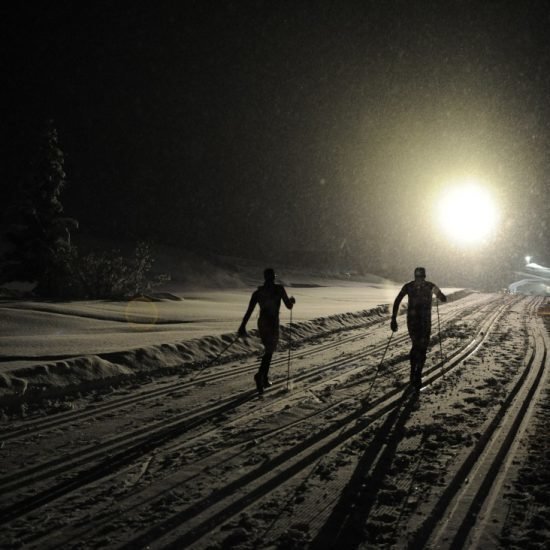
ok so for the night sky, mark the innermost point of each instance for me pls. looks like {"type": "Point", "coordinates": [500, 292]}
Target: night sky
{"type": "Point", "coordinates": [266, 128]}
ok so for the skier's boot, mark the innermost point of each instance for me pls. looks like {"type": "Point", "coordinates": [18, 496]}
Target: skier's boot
{"type": "Point", "coordinates": [259, 384]}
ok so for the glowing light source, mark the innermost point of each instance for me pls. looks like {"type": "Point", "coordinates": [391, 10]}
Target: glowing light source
{"type": "Point", "coordinates": [467, 213]}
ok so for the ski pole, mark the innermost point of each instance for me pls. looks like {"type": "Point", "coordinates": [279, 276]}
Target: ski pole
{"type": "Point", "coordinates": [224, 350]}
{"type": "Point", "coordinates": [212, 361]}
{"type": "Point", "coordinates": [439, 328]}
{"type": "Point", "coordinates": [385, 351]}
{"type": "Point", "coordinates": [378, 367]}
{"type": "Point", "coordinates": [289, 349]}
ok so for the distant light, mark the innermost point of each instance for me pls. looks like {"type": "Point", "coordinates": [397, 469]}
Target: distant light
{"type": "Point", "coordinates": [467, 213]}
{"type": "Point", "coordinates": [527, 259]}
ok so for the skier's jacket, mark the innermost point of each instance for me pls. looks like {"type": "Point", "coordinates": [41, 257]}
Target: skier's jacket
{"type": "Point", "coordinates": [269, 297]}
{"type": "Point", "coordinates": [420, 300]}
{"type": "Point", "coordinates": [419, 311]}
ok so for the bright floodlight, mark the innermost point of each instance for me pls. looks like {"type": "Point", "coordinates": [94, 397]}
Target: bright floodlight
{"type": "Point", "coordinates": [527, 259]}
{"type": "Point", "coordinates": [467, 213]}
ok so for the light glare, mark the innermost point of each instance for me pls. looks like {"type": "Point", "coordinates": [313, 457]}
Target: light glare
{"type": "Point", "coordinates": [467, 213]}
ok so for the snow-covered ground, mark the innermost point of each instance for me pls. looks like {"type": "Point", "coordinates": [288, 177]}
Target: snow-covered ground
{"type": "Point", "coordinates": [120, 431]}
{"type": "Point", "coordinates": [36, 330]}
{"type": "Point", "coordinates": [51, 344]}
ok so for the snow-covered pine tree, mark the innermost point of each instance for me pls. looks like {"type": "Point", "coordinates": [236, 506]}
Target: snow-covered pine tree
{"type": "Point", "coordinates": [40, 238]}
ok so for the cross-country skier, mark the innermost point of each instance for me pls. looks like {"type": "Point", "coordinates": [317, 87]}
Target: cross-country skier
{"type": "Point", "coordinates": [269, 297]}
{"type": "Point", "coordinates": [419, 319]}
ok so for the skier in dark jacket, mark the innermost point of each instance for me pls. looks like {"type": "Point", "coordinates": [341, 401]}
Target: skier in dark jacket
{"type": "Point", "coordinates": [269, 297]}
{"type": "Point", "coordinates": [419, 318]}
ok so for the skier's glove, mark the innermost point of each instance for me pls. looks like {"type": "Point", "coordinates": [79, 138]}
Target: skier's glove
{"type": "Point", "coordinates": [393, 324]}
{"type": "Point", "coordinates": [292, 300]}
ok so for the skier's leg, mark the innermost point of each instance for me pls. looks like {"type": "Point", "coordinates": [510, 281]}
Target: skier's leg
{"type": "Point", "coordinates": [271, 340]}
{"type": "Point", "coordinates": [422, 349]}
{"type": "Point", "coordinates": [416, 363]}
{"type": "Point", "coordinates": [421, 359]}
{"type": "Point", "coordinates": [264, 367]}
{"type": "Point", "coordinates": [258, 378]}
{"type": "Point", "coordinates": [414, 328]}
{"type": "Point", "coordinates": [413, 360]}
{"type": "Point", "coordinates": [269, 335]}
{"type": "Point", "coordinates": [412, 355]}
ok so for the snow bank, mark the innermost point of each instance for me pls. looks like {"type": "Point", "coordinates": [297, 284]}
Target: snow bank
{"type": "Point", "coordinates": [53, 379]}
{"type": "Point", "coordinates": [85, 373]}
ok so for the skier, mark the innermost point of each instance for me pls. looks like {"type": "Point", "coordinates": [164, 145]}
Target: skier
{"type": "Point", "coordinates": [419, 319]}
{"type": "Point", "coordinates": [269, 297]}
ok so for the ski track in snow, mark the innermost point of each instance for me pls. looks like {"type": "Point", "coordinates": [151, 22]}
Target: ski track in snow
{"type": "Point", "coordinates": [340, 455]}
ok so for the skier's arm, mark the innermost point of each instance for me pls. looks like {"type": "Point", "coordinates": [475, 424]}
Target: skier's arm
{"type": "Point", "coordinates": [439, 294]}
{"type": "Point", "coordinates": [396, 305]}
{"type": "Point", "coordinates": [397, 302]}
{"type": "Point", "coordinates": [289, 302]}
{"type": "Point", "coordinates": [251, 306]}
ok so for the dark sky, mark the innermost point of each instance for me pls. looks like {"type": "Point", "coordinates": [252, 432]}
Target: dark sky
{"type": "Point", "coordinates": [262, 127]}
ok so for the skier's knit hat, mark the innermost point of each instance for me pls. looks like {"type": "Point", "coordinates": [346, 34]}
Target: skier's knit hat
{"type": "Point", "coordinates": [420, 272]}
